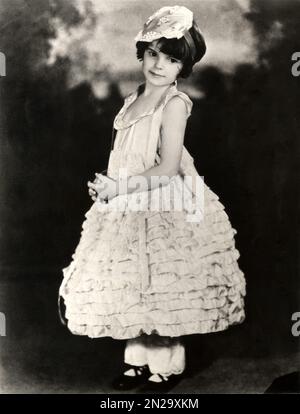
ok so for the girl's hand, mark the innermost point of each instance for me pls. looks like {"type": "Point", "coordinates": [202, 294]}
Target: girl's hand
{"type": "Point", "coordinates": [109, 184]}
{"type": "Point", "coordinates": [103, 188]}
{"type": "Point", "coordinates": [93, 192]}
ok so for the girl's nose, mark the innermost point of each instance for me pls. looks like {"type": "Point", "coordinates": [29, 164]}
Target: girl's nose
{"type": "Point", "coordinates": [159, 63]}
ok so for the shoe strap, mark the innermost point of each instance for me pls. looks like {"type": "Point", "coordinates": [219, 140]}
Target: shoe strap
{"type": "Point", "coordinates": [135, 371]}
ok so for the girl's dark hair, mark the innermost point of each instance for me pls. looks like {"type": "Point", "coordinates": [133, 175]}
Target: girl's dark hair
{"type": "Point", "coordinates": [179, 49]}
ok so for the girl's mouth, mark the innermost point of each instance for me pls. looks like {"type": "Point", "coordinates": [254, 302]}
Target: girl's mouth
{"type": "Point", "coordinates": [157, 76]}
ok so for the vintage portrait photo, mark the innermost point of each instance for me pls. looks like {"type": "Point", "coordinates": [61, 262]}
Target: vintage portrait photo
{"type": "Point", "coordinates": [149, 215]}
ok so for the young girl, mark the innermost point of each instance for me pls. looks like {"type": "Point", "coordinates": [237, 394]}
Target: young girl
{"type": "Point", "coordinates": [150, 275]}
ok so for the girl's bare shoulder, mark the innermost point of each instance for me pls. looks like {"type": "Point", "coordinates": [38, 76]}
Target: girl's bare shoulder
{"type": "Point", "coordinates": [178, 101]}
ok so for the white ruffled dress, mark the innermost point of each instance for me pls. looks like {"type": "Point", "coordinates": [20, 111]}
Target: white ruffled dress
{"type": "Point", "coordinates": [146, 271]}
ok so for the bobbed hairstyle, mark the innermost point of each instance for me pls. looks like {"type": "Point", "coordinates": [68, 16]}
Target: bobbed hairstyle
{"type": "Point", "coordinates": [179, 49]}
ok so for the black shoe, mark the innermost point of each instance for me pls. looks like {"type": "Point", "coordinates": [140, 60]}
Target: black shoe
{"type": "Point", "coordinates": [125, 382]}
{"type": "Point", "coordinates": [166, 384]}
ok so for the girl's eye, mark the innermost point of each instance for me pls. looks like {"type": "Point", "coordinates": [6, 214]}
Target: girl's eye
{"type": "Point", "coordinates": [153, 53]}
{"type": "Point", "coordinates": [174, 60]}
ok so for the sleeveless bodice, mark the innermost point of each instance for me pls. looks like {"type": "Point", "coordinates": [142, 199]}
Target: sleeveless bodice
{"type": "Point", "coordinates": [138, 140]}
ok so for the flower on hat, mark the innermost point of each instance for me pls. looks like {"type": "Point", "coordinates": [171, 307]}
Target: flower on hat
{"type": "Point", "coordinates": [168, 22]}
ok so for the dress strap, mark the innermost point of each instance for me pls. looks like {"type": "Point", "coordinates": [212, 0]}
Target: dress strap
{"type": "Point", "coordinates": [175, 92]}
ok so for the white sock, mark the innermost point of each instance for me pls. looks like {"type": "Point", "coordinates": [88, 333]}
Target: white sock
{"type": "Point", "coordinates": [156, 378]}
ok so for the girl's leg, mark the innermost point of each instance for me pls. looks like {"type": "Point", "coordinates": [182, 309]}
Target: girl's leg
{"type": "Point", "coordinates": [165, 356]}
{"type": "Point", "coordinates": [135, 353]}
{"type": "Point", "coordinates": [137, 373]}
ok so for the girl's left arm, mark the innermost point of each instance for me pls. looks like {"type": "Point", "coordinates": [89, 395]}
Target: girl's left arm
{"type": "Point", "coordinates": [173, 130]}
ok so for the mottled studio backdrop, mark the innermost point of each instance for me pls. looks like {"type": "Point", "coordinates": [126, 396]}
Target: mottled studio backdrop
{"type": "Point", "coordinates": [69, 65]}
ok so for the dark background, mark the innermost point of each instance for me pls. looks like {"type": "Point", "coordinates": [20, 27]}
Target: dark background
{"type": "Point", "coordinates": [244, 136]}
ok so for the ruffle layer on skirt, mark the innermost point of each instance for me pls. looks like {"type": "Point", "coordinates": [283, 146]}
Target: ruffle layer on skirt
{"type": "Point", "coordinates": [154, 272]}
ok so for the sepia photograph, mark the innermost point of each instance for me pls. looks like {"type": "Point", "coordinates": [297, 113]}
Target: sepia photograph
{"type": "Point", "coordinates": [149, 198]}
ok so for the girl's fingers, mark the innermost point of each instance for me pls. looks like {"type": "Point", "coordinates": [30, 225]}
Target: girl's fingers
{"type": "Point", "coordinates": [91, 185]}
{"type": "Point", "coordinates": [95, 191]}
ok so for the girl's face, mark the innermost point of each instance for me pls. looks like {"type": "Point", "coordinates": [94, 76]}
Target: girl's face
{"type": "Point", "coordinates": [160, 69]}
